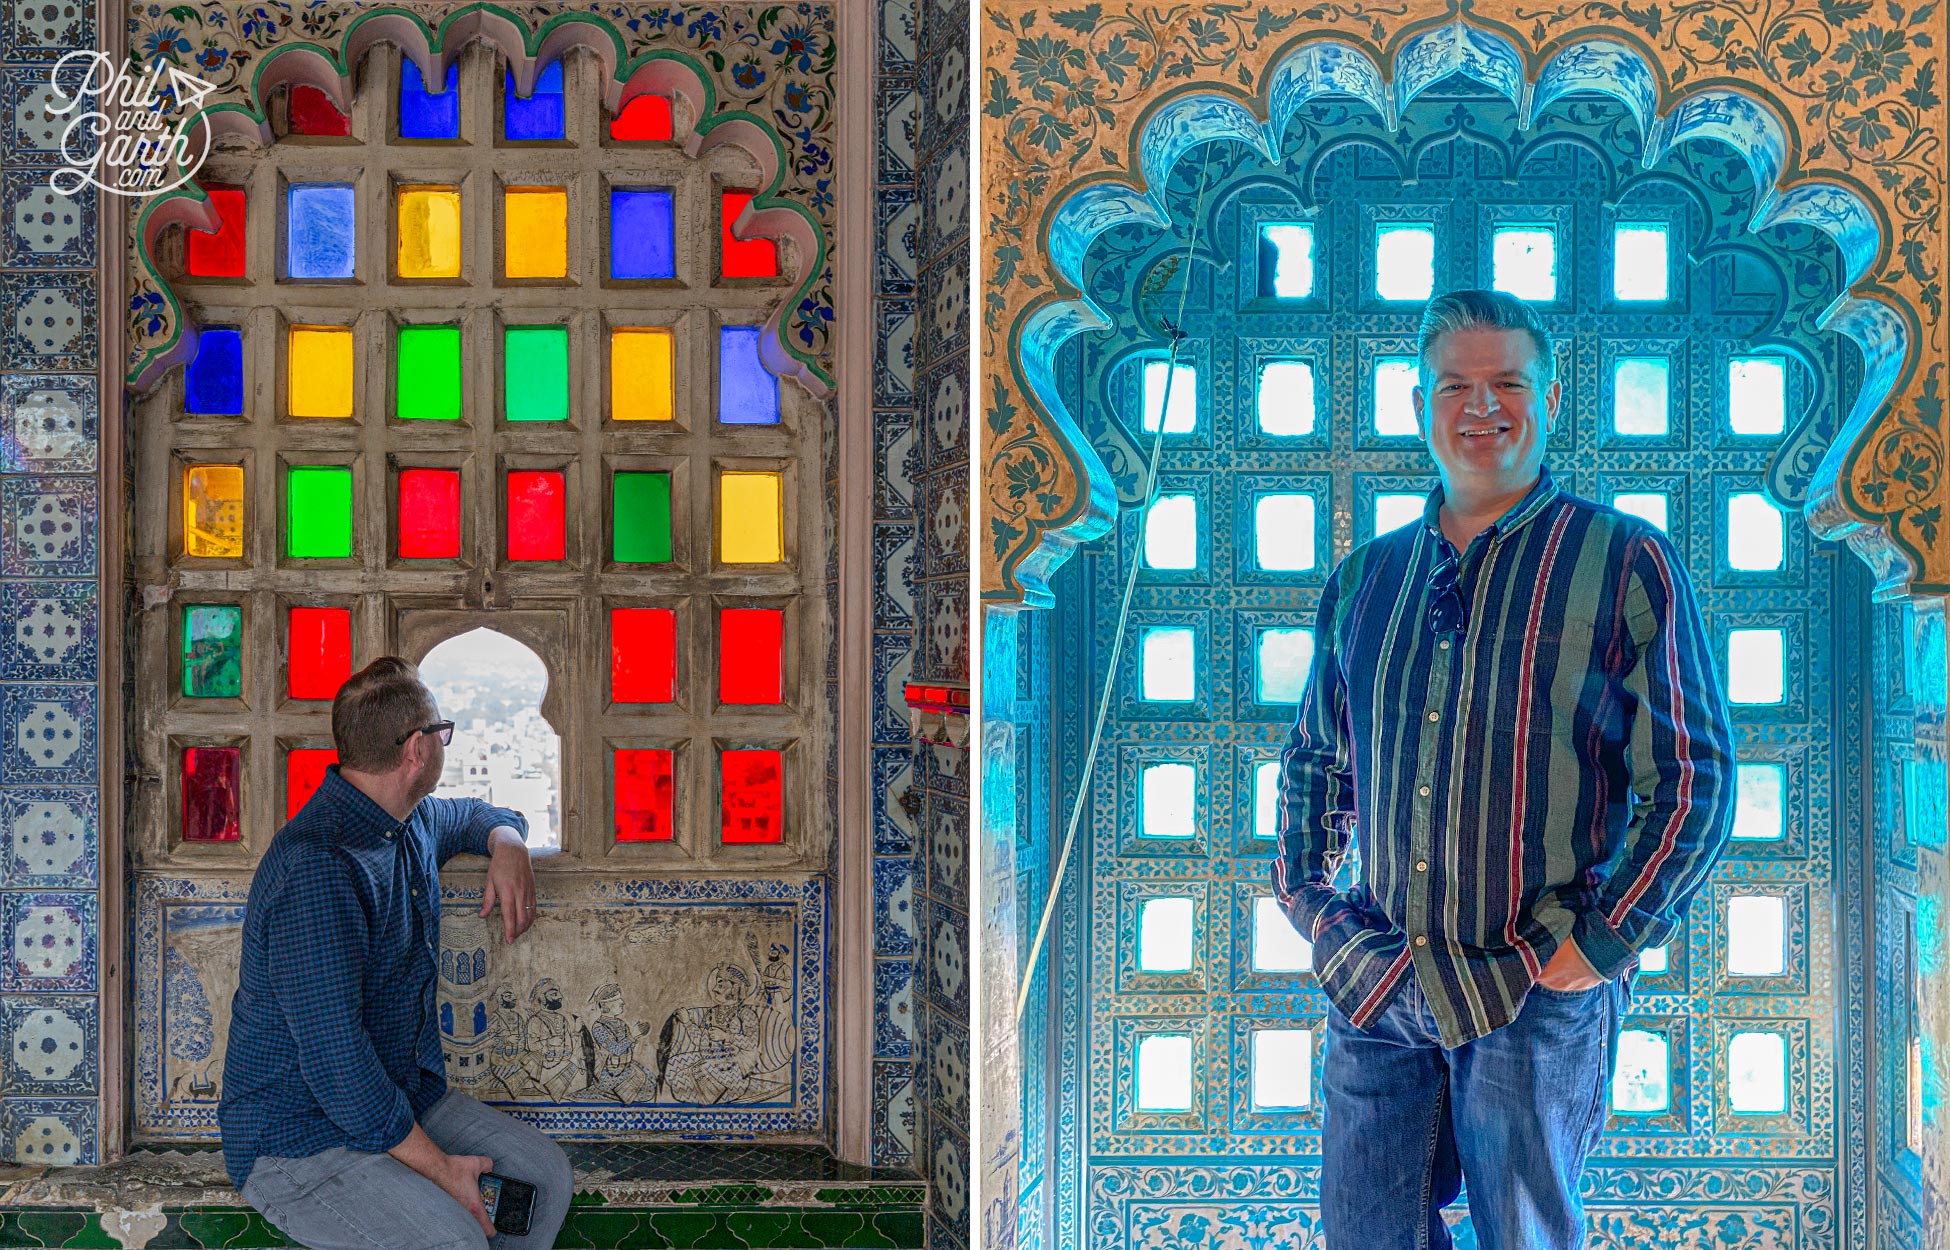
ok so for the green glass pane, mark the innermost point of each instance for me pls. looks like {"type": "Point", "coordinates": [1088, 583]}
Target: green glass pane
{"type": "Point", "coordinates": [537, 379]}
{"type": "Point", "coordinates": [642, 518]}
{"type": "Point", "coordinates": [213, 650]}
{"type": "Point", "coordinates": [319, 519]}
{"type": "Point", "coordinates": [429, 373]}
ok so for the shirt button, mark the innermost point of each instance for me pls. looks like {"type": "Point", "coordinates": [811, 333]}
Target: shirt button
{"type": "Point", "coordinates": [416, 894]}
{"type": "Point", "coordinates": [1435, 716]}
{"type": "Point", "coordinates": [1421, 865]}
{"type": "Point", "coordinates": [1444, 644]}
{"type": "Point", "coordinates": [1424, 791]}
{"type": "Point", "coordinates": [1421, 941]}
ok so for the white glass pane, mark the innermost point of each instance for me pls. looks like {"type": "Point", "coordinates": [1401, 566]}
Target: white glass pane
{"type": "Point", "coordinates": [1169, 794]}
{"type": "Point", "coordinates": [1283, 531]}
{"type": "Point", "coordinates": [1394, 396]}
{"type": "Point", "coordinates": [1183, 417]}
{"type": "Point", "coordinates": [1655, 959]}
{"type": "Point", "coordinates": [1293, 260]}
{"type": "Point", "coordinates": [1286, 397]}
{"type": "Point", "coordinates": [1639, 262]}
{"type": "Point", "coordinates": [1757, 807]}
{"type": "Point", "coordinates": [1404, 262]}
{"type": "Point", "coordinates": [1651, 505]}
{"type": "Point", "coordinates": [1283, 1069]}
{"type": "Point", "coordinates": [1164, 1072]}
{"type": "Point", "coordinates": [1756, 666]}
{"type": "Point", "coordinates": [1757, 1072]}
{"type": "Point", "coordinates": [1266, 799]}
{"type": "Point", "coordinates": [1757, 394]}
{"type": "Point", "coordinates": [1286, 656]}
{"type": "Point", "coordinates": [1171, 533]}
{"type": "Point", "coordinates": [1392, 511]}
{"type": "Point", "coordinates": [1277, 945]}
{"type": "Point", "coordinates": [1166, 664]}
{"type": "Point", "coordinates": [1641, 1083]}
{"type": "Point", "coordinates": [1524, 260]}
{"type": "Point", "coordinates": [1165, 935]}
{"type": "Point", "coordinates": [1756, 533]}
{"type": "Point", "coordinates": [1641, 395]}
{"type": "Point", "coordinates": [1756, 935]}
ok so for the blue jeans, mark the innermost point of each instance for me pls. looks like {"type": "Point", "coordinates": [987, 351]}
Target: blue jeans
{"type": "Point", "coordinates": [343, 1199]}
{"type": "Point", "coordinates": [1514, 1114]}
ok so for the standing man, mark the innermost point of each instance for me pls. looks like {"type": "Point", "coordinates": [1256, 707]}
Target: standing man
{"type": "Point", "coordinates": [337, 1121]}
{"type": "Point", "coordinates": [1515, 704]}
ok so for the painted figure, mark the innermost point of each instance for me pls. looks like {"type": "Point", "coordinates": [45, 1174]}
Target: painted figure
{"type": "Point", "coordinates": [730, 1052]}
{"type": "Point", "coordinates": [609, 1049]}
{"type": "Point", "coordinates": [507, 1038]}
{"type": "Point", "coordinates": [553, 1066]}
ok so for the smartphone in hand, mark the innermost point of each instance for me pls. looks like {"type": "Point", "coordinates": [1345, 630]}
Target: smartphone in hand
{"type": "Point", "coordinates": [510, 1203]}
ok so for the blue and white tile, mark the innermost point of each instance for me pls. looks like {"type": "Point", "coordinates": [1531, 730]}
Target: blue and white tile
{"type": "Point", "coordinates": [894, 438]}
{"type": "Point", "coordinates": [895, 330]}
{"type": "Point", "coordinates": [897, 226]}
{"type": "Point", "coordinates": [897, 801]}
{"type": "Point", "coordinates": [33, 30]}
{"type": "Point", "coordinates": [947, 1083]}
{"type": "Point", "coordinates": [30, 129]}
{"type": "Point", "coordinates": [947, 200]}
{"type": "Point", "coordinates": [893, 1008]}
{"type": "Point", "coordinates": [49, 839]}
{"type": "Point", "coordinates": [49, 320]}
{"type": "Point", "coordinates": [895, 931]}
{"type": "Point", "coordinates": [53, 1132]}
{"type": "Point", "coordinates": [899, 114]}
{"type": "Point", "coordinates": [893, 1114]}
{"type": "Point", "coordinates": [948, 1189]}
{"type": "Point", "coordinates": [50, 941]}
{"type": "Point", "coordinates": [944, 425]}
{"type": "Point", "coordinates": [49, 735]}
{"type": "Point", "coordinates": [47, 526]}
{"type": "Point", "coordinates": [48, 631]}
{"type": "Point", "coordinates": [893, 580]}
{"type": "Point", "coordinates": [944, 287]}
{"type": "Point", "coordinates": [943, 500]}
{"type": "Point", "coordinates": [40, 228]}
{"type": "Point", "coordinates": [944, 605]}
{"type": "Point", "coordinates": [900, 36]}
{"type": "Point", "coordinates": [944, 88]}
{"type": "Point", "coordinates": [948, 852]}
{"type": "Point", "coordinates": [48, 423]}
{"type": "Point", "coordinates": [893, 668]}
{"type": "Point", "coordinates": [948, 956]}
{"type": "Point", "coordinates": [51, 1044]}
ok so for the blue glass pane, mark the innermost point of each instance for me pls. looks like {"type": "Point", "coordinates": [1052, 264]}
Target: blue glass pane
{"type": "Point", "coordinates": [747, 393]}
{"type": "Point", "coordinates": [214, 385]}
{"type": "Point", "coordinates": [319, 224]}
{"type": "Point", "coordinates": [538, 116]}
{"type": "Point", "coordinates": [642, 240]}
{"type": "Point", "coordinates": [424, 114]}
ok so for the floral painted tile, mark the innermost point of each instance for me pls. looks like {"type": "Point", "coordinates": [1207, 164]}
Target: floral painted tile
{"type": "Point", "coordinates": [47, 735]}
{"type": "Point", "coordinates": [51, 1043]}
{"type": "Point", "coordinates": [47, 526]}
{"type": "Point", "coordinates": [49, 839]}
{"type": "Point", "coordinates": [48, 423]}
{"type": "Point", "coordinates": [50, 941]}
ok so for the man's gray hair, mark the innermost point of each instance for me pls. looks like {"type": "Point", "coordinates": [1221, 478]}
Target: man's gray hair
{"type": "Point", "coordinates": [1489, 310]}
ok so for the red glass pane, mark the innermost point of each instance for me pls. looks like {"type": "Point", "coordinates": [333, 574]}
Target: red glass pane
{"type": "Point", "coordinates": [429, 514]}
{"type": "Point", "coordinates": [313, 113]}
{"type": "Point", "coordinates": [212, 785]}
{"type": "Point", "coordinates": [754, 796]}
{"type": "Point", "coordinates": [642, 655]}
{"type": "Point", "coordinates": [745, 258]}
{"type": "Point", "coordinates": [751, 655]}
{"type": "Point", "coordinates": [538, 526]}
{"type": "Point", "coordinates": [646, 117]}
{"type": "Point", "coordinates": [219, 254]}
{"type": "Point", "coordinates": [319, 658]}
{"type": "Point", "coordinates": [643, 790]}
{"type": "Point", "coordinates": [304, 772]}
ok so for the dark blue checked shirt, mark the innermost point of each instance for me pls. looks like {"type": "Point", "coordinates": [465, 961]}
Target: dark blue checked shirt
{"type": "Point", "coordinates": [333, 1040]}
{"type": "Point", "coordinates": [1559, 766]}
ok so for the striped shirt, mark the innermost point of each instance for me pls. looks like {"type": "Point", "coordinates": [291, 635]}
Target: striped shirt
{"type": "Point", "coordinates": [1561, 765]}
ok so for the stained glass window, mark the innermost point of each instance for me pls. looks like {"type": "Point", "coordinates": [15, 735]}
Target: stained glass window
{"type": "Point", "coordinates": [304, 772]}
{"type": "Point", "coordinates": [1757, 395]}
{"type": "Point", "coordinates": [429, 232]}
{"type": "Point", "coordinates": [312, 112]}
{"type": "Point", "coordinates": [642, 655]}
{"type": "Point", "coordinates": [1640, 264]}
{"type": "Point", "coordinates": [1171, 533]}
{"type": "Point", "coordinates": [1286, 260]}
{"type": "Point", "coordinates": [320, 231]}
{"type": "Point", "coordinates": [213, 510]}
{"type": "Point", "coordinates": [641, 510]}
{"type": "Point", "coordinates": [1640, 389]}
{"type": "Point", "coordinates": [751, 655]}
{"type": "Point", "coordinates": [750, 518]}
{"type": "Point", "coordinates": [645, 119]}
{"type": "Point", "coordinates": [536, 377]}
{"type": "Point", "coordinates": [641, 374]}
{"type": "Point", "coordinates": [1164, 1072]}
{"type": "Point", "coordinates": [1283, 1067]}
{"type": "Point", "coordinates": [1277, 946]}
{"type": "Point", "coordinates": [320, 364]}
{"type": "Point", "coordinates": [1523, 260]}
{"type": "Point", "coordinates": [212, 782]}
{"type": "Point", "coordinates": [642, 233]}
{"type": "Point", "coordinates": [535, 232]}
{"type": "Point", "coordinates": [645, 795]}
{"type": "Point", "coordinates": [1286, 398]}
{"type": "Point", "coordinates": [219, 253]}
{"type": "Point", "coordinates": [427, 361]}
{"type": "Point", "coordinates": [1170, 796]}
{"type": "Point", "coordinates": [213, 651]}
{"type": "Point", "coordinates": [425, 114]}
{"type": "Point", "coordinates": [1165, 935]}
{"type": "Point", "coordinates": [1404, 262]}
{"type": "Point", "coordinates": [753, 795]}
{"type": "Point", "coordinates": [538, 116]}
{"type": "Point", "coordinates": [1395, 380]}
{"type": "Point", "coordinates": [748, 394]}
{"type": "Point", "coordinates": [318, 652]}
{"type": "Point", "coordinates": [429, 514]}
{"type": "Point", "coordinates": [213, 386]}
{"type": "Point", "coordinates": [538, 519]}
{"type": "Point", "coordinates": [756, 257]}
{"type": "Point", "coordinates": [318, 516]}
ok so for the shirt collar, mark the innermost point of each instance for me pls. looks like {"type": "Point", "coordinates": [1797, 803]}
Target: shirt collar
{"type": "Point", "coordinates": [1523, 510]}
{"type": "Point", "coordinates": [360, 820]}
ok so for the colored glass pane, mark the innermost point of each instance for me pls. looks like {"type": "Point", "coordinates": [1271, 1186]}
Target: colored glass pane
{"type": "Point", "coordinates": [743, 258]}
{"type": "Point", "coordinates": [313, 113]}
{"type": "Point", "coordinates": [318, 518]}
{"type": "Point", "coordinates": [219, 253]}
{"type": "Point", "coordinates": [213, 651]}
{"type": "Point", "coordinates": [320, 223]}
{"type": "Point", "coordinates": [1182, 381]}
{"type": "Point", "coordinates": [1164, 1072]}
{"type": "Point", "coordinates": [1277, 945]}
{"type": "Point", "coordinates": [1171, 533]}
{"type": "Point", "coordinates": [1165, 934]}
{"type": "Point", "coordinates": [1756, 666]}
{"type": "Point", "coordinates": [1394, 509]}
{"type": "Point", "coordinates": [213, 385]}
{"type": "Point", "coordinates": [537, 516]}
{"type": "Point", "coordinates": [1756, 938]}
{"type": "Point", "coordinates": [640, 375]}
{"type": "Point", "coordinates": [1286, 398]}
{"type": "Point", "coordinates": [1757, 394]}
{"type": "Point", "coordinates": [304, 772]}
{"type": "Point", "coordinates": [642, 234]}
{"type": "Point", "coordinates": [1283, 1069]}
{"type": "Point", "coordinates": [427, 114]}
{"type": "Point", "coordinates": [1760, 792]}
{"type": "Point", "coordinates": [1166, 671]}
{"type": "Point", "coordinates": [427, 361]}
{"type": "Point", "coordinates": [1168, 800]}
{"type": "Point", "coordinates": [429, 232]}
{"type": "Point", "coordinates": [429, 514]}
{"type": "Point", "coordinates": [640, 511]}
{"type": "Point", "coordinates": [1523, 260]}
{"type": "Point", "coordinates": [1404, 262]}
{"type": "Point", "coordinates": [536, 377]}
{"type": "Point", "coordinates": [750, 518]}
{"type": "Point", "coordinates": [751, 655]}
{"type": "Point", "coordinates": [535, 225]}
{"type": "Point", "coordinates": [1283, 531]}
{"type": "Point", "coordinates": [213, 510]}
{"type": "Point", "coordinates": [1395, 379]}
{"type": "Point", "coordinates": [1641, 1080]}
{"type": "Point", "coordinates": [318, 652]}
{"type": "Point", "coordinates": [526, 119]}
{"type": "Point", "coordinates": [643, 796]}
{"type": "Point", "coordinates": [1286, 260]}
{"type": "Point", "coordinates": [319, 371]}
{"type": "Point", "coordinates": [753, 796]}
{"type": "Point", "coordinates": [1641, 395]}
{"type": "Point", "coordinates": [1286, 658]}
{"type": "Point", "coordinates": [748, 394]}
{"type": "Point", "coordinates": [1639, 262]}
{"type": "Point", "coordinates": [642, 655]}
{"type": "Point", "coordinates": [1756, 533]}
{"type": "Point", "coordinates": [212, 793]}
{"type": "Point", "coordinates": [646, 118]}
{"type": "Point", "coordinates": [1757, 1073]}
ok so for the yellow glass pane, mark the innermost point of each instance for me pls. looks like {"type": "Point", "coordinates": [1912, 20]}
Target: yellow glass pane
{"type": "Point", "coordinates": [750, 521]}
{"type": "Point", "coordinates": [320, 371]}
{"type": "Point", "coordinates": [639, 375]}
{"type": "Point", "coordinates": [535, 225]}
{"type": "Point", "coordinates": [213, 510]}
{"type": "Point", "coordinates": [429, 232]}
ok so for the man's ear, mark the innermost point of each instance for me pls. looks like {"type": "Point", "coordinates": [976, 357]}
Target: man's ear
{"type": "Point", "coordinates": [1416, 402]}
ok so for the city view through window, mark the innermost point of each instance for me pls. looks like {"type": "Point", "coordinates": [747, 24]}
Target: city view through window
{"type": "Point", "coordinates": [491, 687]}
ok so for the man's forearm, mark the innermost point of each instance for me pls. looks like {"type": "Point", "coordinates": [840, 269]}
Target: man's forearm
{"type": "Point", "coordinates": [506, 836]}
{"type": "Point", "coordinates": [420, 1153]}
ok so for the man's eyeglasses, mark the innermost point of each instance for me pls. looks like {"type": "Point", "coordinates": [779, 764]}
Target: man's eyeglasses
{"type": "Point", "coordinates": [1446, 603]}
{"type": "Point", "coordinates": [445, 728]}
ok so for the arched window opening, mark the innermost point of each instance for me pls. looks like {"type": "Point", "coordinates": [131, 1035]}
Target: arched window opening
{"type": "Point", "coordinates": [504, 750]}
